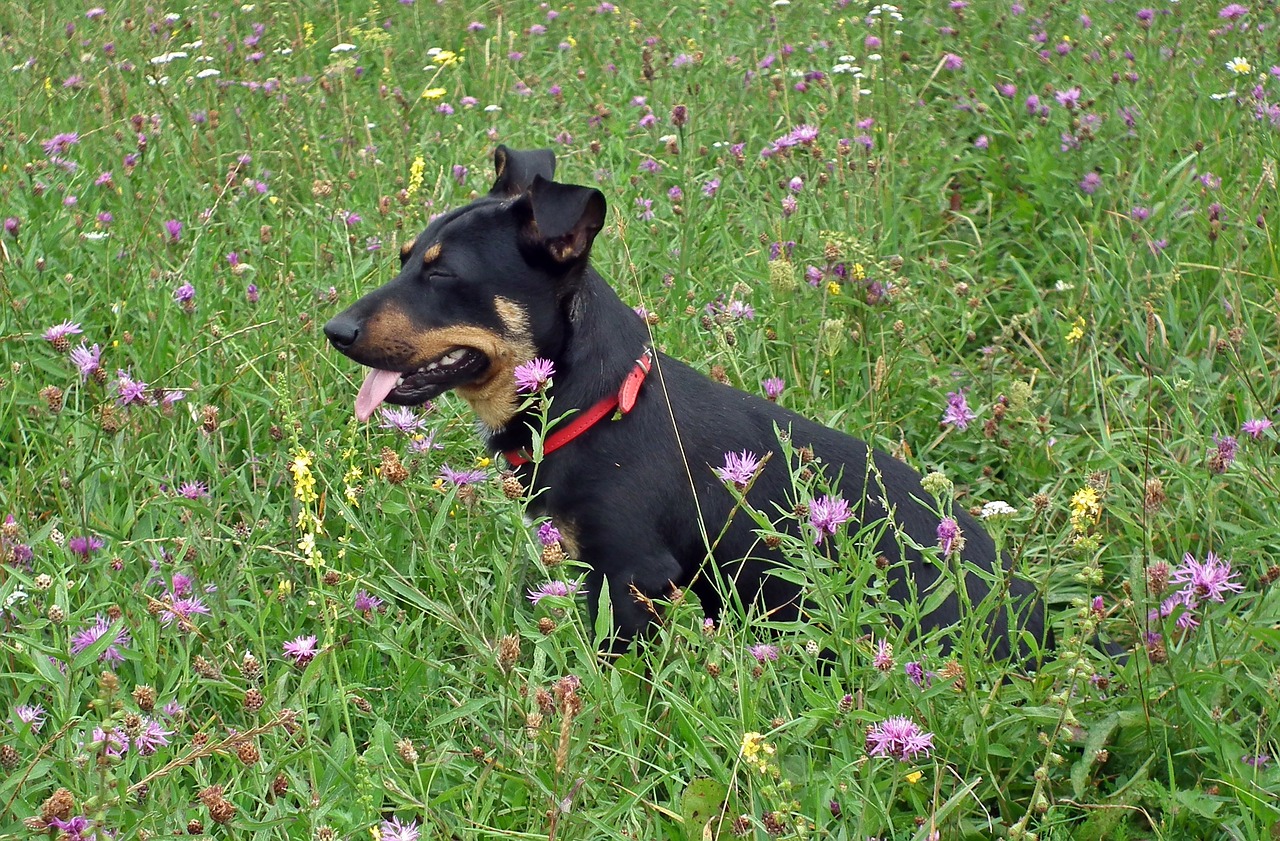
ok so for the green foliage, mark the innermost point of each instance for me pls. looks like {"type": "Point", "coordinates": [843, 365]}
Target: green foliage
{"type": "Point", "coordinates": [1093, 270]}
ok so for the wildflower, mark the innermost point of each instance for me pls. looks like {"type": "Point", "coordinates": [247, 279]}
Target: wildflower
{"type": "Point", "coordinates": [548, 534]}
{"type": "Point", "coordinates": [402, 419]}
{"type": "Point", "coordinates": [1209, 579]}
{"type": "Point", "coordinates": [1260, 760]}
{"type": "Point", "coordinates": [301, 649]}
{"type": "Point", "coordinates": [59, 143]}
{"type": "Point", "coordinates": [1090, 183]}
{"type": "Point", "coordinates": [11, 225]}
{"type": "Point", "coordinates": [75, 829]}
{"type": "Point", "coordinates": [151, 738]}
{"type": "Point", "coordinates": [173, 230]}
{"type": "Point", "coordinates": [756, 751]}
{"type": "Point", "coordinates": [88, 360]}
{"type": "Point", "coordinates": [1223, 453]}
{"type": "Point", "coordinates": [84, 545]}
{"type": "Point", "coordinates": [763, 652]}
{"type": "Point", "coordinates": [181, 610]}
{"type": "Point", "coordinates": [304, 483]}
{"type": "Point", "coordinates": [193, 490]}
{"type": "Point", "coordinates": [534, 375]}
{"type": "Point", "coordinates": [366, 603]}
{"type": "Point", "coordinates": [827, 514]}
{"type": "Point", "coordinates": [556, 589]}
{"type": "Point", "coordinates": [900, 738]}
{"type": "Point", "coordinates": [914, 671]}
{"type": "Point", "coordinates": [1069, 99]}
{"type": "Point", "coordinates": [461, 478]}
{"type": "Point", "coordinates": [1233, 11]}
{"type": "Point", "coordinates": [1076, 333]}
{"type": "Point", "coordinates": [884, 656]}
{"type": "Point", "coordinates": [710, 187]}
{"type": "Point", "coordinates": [950, 537]}
{"type": "Point", "coordinates": [129, 391]}
{"type": "Point", "coordinates": [394, 830]}
{"type": "Point", "coordinates": [113, 741]}
{"type": "Point", "coordinates": [1254, 427]}
{"type": "Point", "coordinates": [32, 715]}
{"type": "Point", "coordinates": [184, 294]}
{"type": "Point", "coordinates": [738, 469]}
{"type": "Point", "coordinates": [773, 387]}
{"type": "Point", "coordinates": [90, 634]}
{"type": "Point", "coordinates": [957, 413]}
{"type": "Point", "coordinates": [58, 333]}
{"type": "Point", "coordinates": [1086, 509]}
{"type": "Point", "coordinates": [1240, 66]}
{"type": "Point", "coordinates": [997, 508]}
{"type": "Point", "coordinates": [951, 61]}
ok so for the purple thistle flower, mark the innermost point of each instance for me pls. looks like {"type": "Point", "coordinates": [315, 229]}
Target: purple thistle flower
{"type": "Point", "coordinates": [914, 671]}
{"type": "Point", "coordinates": [461, 478]}
{"type": "Point", "coordinates": [950, 537]}
{"type": "Point", "coordinates": [302, 650]}
{"type": "Point", "coordinates": [173, 230]}
{"type": "Point", "coordinates": [1090, 183]}
{"type": "Point", "coordinates": [84, 545]}
{"type": "Point", "coordinates": [533, 376]}
{"type": "Point", "coordinates": [951, 61]}
{"type": "Point", "coordinates": [152, 737]}
{"type": "Point", "coordinates": [898, 737]}
{"type": "Point", "coordinates": [738, 469]}
{"type": "Point", "coordinates": [31, 715]}
{"type": "Point", "coordinates": [554, 589]}
{"type": "Point", "coordinates": [773, 387]}
{"type": "Point", "coordinates": [404, 419]}
{"type": "Point", "coordinates": [394, 830]}
{"type": "Point", "coordinates": [11, 225]}
{"type": "Point", "coordinates": [827, 515]}
{"type": "Point", "coordinates": [1254, 427]}
{"type": "Point", "coordinates": [115, 742]}
{"type": "Point", "coordinates": [60, 332]}
{"type": "Point", "coordinates": [1209, 579]}
{"type": "Point", "coordinates": [181, 610]}
{"type": "Point", "coordinates": [184, 294]}
{"type": "Point", "coordinates": [764, 653]}
{"type": "Point", "coordinates": [59, 143]}
{"type": "Point", "coordinates": [548, 534]}
{"type": "Point", "coordinates": [193, 490]}
{"type": "Point", "coordinates": [129, 391]}
{"type": "Point", "coordinates": [1233, 11]}
{"type": "Point", "coordinates": [88, 360]}
{"type": "Point", "coordinates": [884, 656]}
{"type": "Point", "coordinates": [366, 603]}
{"type": "Point", "coordinates": [90, 634]}
{"type": "Point", "coordinates": [957, 413]}
{"type": "Point", "coordinates": [1223, 453]}
{"type": "Point", "coordinates": [75, 829]}
{"type": "Point", "coordinates": [710, 187]}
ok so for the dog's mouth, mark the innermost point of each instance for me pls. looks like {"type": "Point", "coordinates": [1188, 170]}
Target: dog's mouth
{"type": "Point", "coordinates": [458, 366]}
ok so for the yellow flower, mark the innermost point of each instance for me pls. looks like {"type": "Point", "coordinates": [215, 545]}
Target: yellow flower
{"type": "Point", "coordinates": [308, 33]}
{"type": "Point", "coordinates": [483, 461]}
{"type": "Point", "coordinates": [433, 93]}
{"type": "Point", "coordinates": [859, 271]}
{"type": "Point", "coordinates": [833, 288]}
{"type": "Point", "coordinates": [915, 777]}
{"type": "Point", "coordinates": [1077, 330]}
{"type": "Point", "coordinates": [446, 58]}
{"type": "Point", "coordinates": [416, 170]}
{"type": "Point", "coordinates": [1086, 508]}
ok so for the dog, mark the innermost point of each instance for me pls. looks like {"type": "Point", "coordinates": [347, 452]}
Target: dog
{"type": "Point", "coordinates": [628, 474]}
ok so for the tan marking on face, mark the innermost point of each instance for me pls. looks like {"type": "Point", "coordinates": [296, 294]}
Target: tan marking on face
{"type": "Point", "coordinates": [494, 399]}
{"type": "Point", "coordinates": [569, 539]}
{"type": "Point", "coordinates": [431, 254]}
{"type": "Point", "coordinates": [407, 248]}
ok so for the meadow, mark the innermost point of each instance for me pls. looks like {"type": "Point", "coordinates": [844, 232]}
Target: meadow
{"type": "Point", "coordinates": [1029, 247]}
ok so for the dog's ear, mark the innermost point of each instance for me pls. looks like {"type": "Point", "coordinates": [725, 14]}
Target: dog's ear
{"type": "Point", "coordinates": [565, 218]}
{"type": "Point", "coordinates": [514, 170]}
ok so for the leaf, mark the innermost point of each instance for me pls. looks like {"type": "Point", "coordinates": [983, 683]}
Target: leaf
{"type": "Point", "coordinates": [703, 807]}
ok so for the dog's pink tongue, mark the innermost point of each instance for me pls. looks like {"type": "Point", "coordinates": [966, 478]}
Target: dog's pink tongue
{"type": "Point", "coordinates": [373, 391]}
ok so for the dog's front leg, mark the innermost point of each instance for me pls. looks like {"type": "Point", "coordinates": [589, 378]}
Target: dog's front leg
{"type": "Point", "coordinates": [633, 584]}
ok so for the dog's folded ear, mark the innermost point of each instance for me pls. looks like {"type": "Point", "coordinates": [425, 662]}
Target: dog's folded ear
{"type": "Point", "coordinates": [514, 170]}
{"type": "Point", "coordinates": [565, 218]}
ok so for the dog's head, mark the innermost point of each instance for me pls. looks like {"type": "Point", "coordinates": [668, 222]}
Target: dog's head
{"type": "Point", "coordinates": [482, 290]}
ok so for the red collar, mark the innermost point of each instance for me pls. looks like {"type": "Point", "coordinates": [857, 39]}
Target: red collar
{"type": "Point", "coordinates": [623, 402]}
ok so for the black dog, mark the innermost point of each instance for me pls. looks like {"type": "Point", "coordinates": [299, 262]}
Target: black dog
{"type": "Point", "coordinates": [628, 476]}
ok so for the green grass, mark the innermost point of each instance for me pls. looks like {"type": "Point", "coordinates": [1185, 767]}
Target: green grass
{"type": "Point", "coordinates": [1106, 340]}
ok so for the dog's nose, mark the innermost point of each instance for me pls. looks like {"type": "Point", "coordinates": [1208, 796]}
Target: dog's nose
{"type": "Point", "coordinates": [342, 332]}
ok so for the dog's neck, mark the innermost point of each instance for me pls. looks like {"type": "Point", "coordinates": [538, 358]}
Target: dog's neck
{"type": "Point", "coordinates": [603, 337]}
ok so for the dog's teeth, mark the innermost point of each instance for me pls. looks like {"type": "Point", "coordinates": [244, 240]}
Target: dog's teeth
{"type": "Point", "coordinates": [400, 380]}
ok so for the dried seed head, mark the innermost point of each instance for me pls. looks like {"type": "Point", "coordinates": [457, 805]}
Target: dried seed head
{"type": "Point", "coordinates": [1153, 495]}
{"type": "Point", "coordinates": [222, 811]}
{"type": "Point", "coordinates": [195, 826]}
{"type": "Point", "coordinates": [9, 757]}
{"type": "Point", "coordinates": [60, 805]}
{"type": "Point", "coordinates": [392, 469]}
{"type": "Point", "coordinates": [1157, 578]}
{"type": "Point", "coordinates": [407, 751]}
{"type": "Point", "coordinates": [145, 697]}
{"type": "Point", "coordinates": [546, 625]}
{"type": "Point", "coordinates": [552, 554]}
{"type": "Point", "coordinates": [52, 396]}
{"type": "Point", "coordinates": [508, 652]}
{"type": "Point", "coordinates": [206, 669]}
{"type": "Point", "coordinates": [249, 666]}
{"type": "Point", "coordinates": [247, 752]}
{"type": "Point", "coordinates": [210, 795]}
{"type": "Point", "coordinates": [280, 786]}
{"type": "Point", "coordinates": [511, 487]}
{"type": "Point", "coordinates": [253, 700]}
